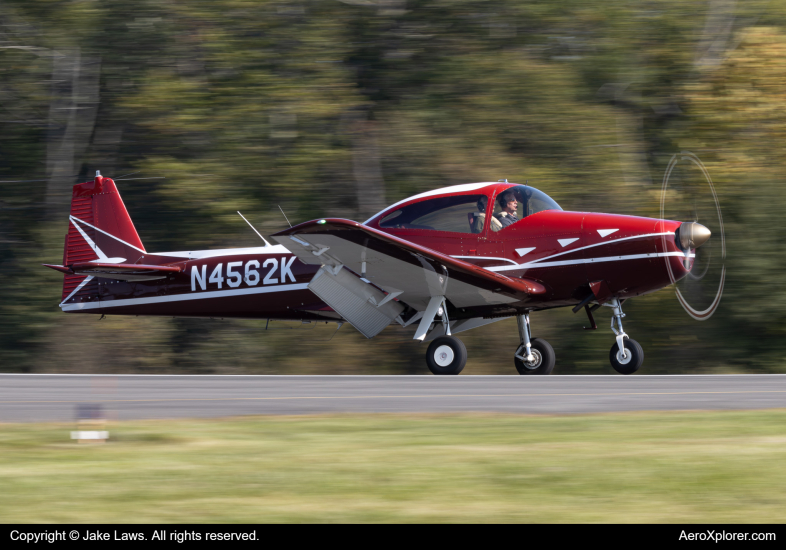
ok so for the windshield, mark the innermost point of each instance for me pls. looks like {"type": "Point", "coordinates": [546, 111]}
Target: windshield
{"type": "Point", "coordinates": [517, 203]}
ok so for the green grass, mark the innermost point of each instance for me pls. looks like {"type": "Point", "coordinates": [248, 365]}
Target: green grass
{"type": "Point", "coordinates": [637, 467]}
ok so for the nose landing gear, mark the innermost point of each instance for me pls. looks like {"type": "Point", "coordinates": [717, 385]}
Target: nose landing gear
{"type": "Point", "coordinates": [533, 356]}
{"type": "Point", "coordinates": [626, 355]}
{"type": "Point", "coordinates": [629, 359]}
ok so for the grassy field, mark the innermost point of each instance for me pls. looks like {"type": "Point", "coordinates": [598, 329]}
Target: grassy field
{"type": "Point", "coordinates": [639, 467]}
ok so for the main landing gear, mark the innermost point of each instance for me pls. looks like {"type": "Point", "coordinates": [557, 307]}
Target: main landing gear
{"type": "Point", "coordinates": [446, 355]}
{"type": "Point", "coordinates": [533, 356]}
{"type": "Point", "coordinates": [626, 354]}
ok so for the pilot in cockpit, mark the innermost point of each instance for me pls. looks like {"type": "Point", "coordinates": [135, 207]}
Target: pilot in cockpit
{"type": "Point", "coordinates": [478, 219]}
{"type": "Point", "coordinates": [509, 205]}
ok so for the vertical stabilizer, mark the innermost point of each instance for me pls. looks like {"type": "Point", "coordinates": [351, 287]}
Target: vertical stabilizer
{"type": "Point", "coordinates": [99, 228]}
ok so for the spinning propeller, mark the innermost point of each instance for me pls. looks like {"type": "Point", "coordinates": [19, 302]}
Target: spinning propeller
{"type": "Point", "coordinates": [688, 195]}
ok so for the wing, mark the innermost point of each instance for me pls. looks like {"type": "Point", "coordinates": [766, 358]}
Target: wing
{"type": "Point", "coordinates": [418, 276]}
{"type": "Point", "coordinates": [118, 272]}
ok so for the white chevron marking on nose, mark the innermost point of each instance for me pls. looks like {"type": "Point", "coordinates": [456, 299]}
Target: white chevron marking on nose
{"type": "Point", "coordinates": [566, 242]}
{"type": "Point", "coordinates": [605, 232]}
{"type": "Point", "coordinates": [522, 251]}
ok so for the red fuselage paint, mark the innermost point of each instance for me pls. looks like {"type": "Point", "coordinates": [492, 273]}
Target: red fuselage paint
{"type": "Point", "coordinates": [563, 251]}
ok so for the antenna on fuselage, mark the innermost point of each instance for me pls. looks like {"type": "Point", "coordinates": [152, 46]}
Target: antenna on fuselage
{"type": "Point", "coordinates": [252, 227]}
{"type": "Point", "coordinates": [285, 216]}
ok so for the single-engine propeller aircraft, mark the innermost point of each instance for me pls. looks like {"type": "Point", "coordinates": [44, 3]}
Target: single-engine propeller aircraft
{"type": "Point", "coordinates": [440, 262]}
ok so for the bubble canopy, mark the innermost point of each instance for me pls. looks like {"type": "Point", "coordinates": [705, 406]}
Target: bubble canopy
{"type": "Point", "coordinates": [462, 208]}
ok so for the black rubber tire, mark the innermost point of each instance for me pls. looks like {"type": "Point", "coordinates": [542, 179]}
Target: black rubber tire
{"type": "Point", "coordinates": [459, 355]}
{"type": "Point", "coordinates": [544, 352]}
{"type": "Point", "coordinates": [635, 362]}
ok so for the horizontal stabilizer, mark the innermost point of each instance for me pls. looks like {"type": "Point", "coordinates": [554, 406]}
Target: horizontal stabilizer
{"type": "Point", "coordinates": [118, 272]}
{"type": "Point", "coordinates": [60, 268]}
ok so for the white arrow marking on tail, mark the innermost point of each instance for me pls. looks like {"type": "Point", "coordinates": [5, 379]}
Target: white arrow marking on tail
{"type": "Point", "coordinates": [606, 232]}
{"type": "Point", "coordinates": [566, 242]}
{"type": "Point", "coordinates": [105, 233]}
{"type": "Point", "coordinates": [77, 289]}
{"type": "Point", "coordinates": [88, 240]}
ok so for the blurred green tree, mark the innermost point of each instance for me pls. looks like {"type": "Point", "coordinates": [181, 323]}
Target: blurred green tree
{"type": "Point", "coordinates": [336, 108]}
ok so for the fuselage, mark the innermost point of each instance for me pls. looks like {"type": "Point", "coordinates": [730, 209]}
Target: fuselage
{"type": "Point", "coordinates": [564, 251]}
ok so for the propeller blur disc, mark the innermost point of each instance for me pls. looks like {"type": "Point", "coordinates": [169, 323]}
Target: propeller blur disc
{"type": "Point", "coordinates": [688, 195]}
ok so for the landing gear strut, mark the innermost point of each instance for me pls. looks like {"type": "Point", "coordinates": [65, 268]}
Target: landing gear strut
{"type": "Point", "coordinates": [533, 356]}
{"type": "Point", "coordinates": [626, 355]}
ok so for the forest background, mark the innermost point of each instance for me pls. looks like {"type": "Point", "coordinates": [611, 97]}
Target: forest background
{"type": "Point", "coordinates": [338, 108]}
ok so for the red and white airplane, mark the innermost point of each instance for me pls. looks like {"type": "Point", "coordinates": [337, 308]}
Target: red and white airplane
{"type": "Point", "coordinates": [440, 262]}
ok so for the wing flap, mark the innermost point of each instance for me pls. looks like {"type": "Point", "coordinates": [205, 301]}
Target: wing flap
{"type": "Point", "coordinates": [361, 304]}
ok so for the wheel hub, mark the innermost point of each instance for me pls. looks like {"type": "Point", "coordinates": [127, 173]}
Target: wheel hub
{"type": "Point", "coordinates": [535, 363]}
{"type": "Point", "coordinates": [624, 356]}
{"type": "Point", "coordinates": [443, 356]}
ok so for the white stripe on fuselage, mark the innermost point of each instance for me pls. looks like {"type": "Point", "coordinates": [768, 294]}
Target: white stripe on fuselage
{"type": "Point", "coordinates": [202, 254]}
{"type": "Point", "coordinates": [182, 297]}
{"type": "Point", "coordinates": [542, 262]}
{"type": "Point", "coordinates": [485, 258]}
{"type": "Point", "coordinates": [533, 265]}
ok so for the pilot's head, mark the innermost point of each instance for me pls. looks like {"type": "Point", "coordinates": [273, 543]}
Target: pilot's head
{"type": "Point", "coordinates": [482, 201]}
{"type": "Point", "coordinates": [508, 202]}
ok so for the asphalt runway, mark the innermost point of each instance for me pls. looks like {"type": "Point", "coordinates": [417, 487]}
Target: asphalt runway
{"type": "Point", "coordinates": [39, 398]}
